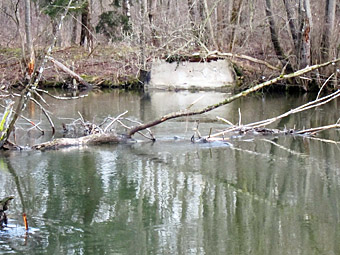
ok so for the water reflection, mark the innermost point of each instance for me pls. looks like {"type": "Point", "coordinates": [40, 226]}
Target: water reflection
{"type": "Point", "coordinates": [267, 195]}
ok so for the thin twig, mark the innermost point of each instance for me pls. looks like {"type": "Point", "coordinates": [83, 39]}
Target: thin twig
{"type": "Point", "coordinates": [313, 131]}
{"type": "Point", "coordinates": [45, 113]}
{"type": "Point", "coordinates": [324, 84]}
{"type": "Point", "coordinates": [142, 134]}
{"type": "Point", "coordinates": [41, 98]}
{"type": "Point", "coordinates": [114, 120]}
{"type": "Point", "coordinates": [59, 97]}
{"type": "Point", "coordinates": [194, 102]}
{"type": "Point", "coordinates": [225, 120]}
{"type": "Point", "coordinates": [81, 118]}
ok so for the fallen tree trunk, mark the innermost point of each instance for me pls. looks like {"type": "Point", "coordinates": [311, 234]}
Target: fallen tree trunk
{"type": "Point", "coordinates": [94, 139]}
{"type": "Point", "coordinates": [70, 72]}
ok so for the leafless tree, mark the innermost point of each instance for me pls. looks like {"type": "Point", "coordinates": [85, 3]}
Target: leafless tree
{"type": "Point", "coordinates": [328, 32]}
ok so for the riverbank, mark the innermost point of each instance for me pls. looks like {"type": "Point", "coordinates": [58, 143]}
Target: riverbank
{"type": "Point", "coordinates": [114, 66]}
{"type": "Point", "coordinates": [104, 67]}
{"type": "Point", "coordinates": [119, 65]}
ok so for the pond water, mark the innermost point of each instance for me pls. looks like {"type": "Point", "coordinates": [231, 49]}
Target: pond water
{"type": "Point", "coordinates": [256, 195]}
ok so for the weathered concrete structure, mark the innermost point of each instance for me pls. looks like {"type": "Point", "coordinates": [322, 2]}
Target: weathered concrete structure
{"type": "Point", "coordinates": [217, 74]}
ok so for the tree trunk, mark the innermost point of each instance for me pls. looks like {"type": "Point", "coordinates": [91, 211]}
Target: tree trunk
{"type": "Point", "coordinates": [235, 14]}
{"type": "Point", "coordinates": [152, 8]}
{"type": "Point", "coordinates": [202, 29]}
{"type": "Point", "coordinates": [74, 30]}
{"type": "Point", "coordinates": [29, 43]}
{"type": "Point", "coordinates": [221, 24]}
{"type": "Point", "coordinates": [127, 9]}
{"type": "Point", "coordinates": [292, 26]}
{"type": "Point", "coordinates": [275, 39]}
{"type": "Point", "coordinates": [143, 5]}
{"type": "Point", "coordinates": [251, 14]}
{"type": "Point", "coordinates": [84, 32]}
{"type": "Point", "coordinates": [86, 35]}
{"type": "Point", "coordinates": [192, 14]}
{"type": "Point", "coordinates": [95, 139]}
{"type": "Point", "coordinates": [328, 29]}
{"type": "Point", "coordinates": [305, 59]}
{"type": "Point", "coordinates": [210, 27]}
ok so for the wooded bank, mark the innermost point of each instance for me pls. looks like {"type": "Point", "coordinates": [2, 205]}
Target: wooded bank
{"type": "Point", "coordinates": [285, 35]}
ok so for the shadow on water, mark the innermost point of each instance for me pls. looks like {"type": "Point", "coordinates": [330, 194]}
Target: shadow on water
{"type": "Point", "coordinates": [258, 195]}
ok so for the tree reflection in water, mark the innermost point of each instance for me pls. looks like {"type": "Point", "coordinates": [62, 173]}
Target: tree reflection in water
{"type": "Point", "coordinates": [266, 195]}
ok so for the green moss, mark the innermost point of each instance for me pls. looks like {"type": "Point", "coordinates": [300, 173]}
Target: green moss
{"type": "Point", "coordinates": [90, 78]}
{"type": "Point", "coordinates": [11, 52]}
{"type": "Point", "coordinates": [238, 70]}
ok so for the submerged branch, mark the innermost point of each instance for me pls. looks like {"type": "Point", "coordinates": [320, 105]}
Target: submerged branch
{"type": "Point", "coordinates": [262, 123]}
{"type": "Point", "coordinates": [313, 131]}
{"type": "Point", "coordinates": [46, 114]}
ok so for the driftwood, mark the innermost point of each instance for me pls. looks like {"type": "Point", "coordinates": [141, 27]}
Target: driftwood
{"type": "Point", "coordinates": [94, 139]}
{"type": "Point", "coordinates": [70, 72]}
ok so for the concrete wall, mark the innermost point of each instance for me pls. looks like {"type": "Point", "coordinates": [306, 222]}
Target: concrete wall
{"type": "Point", "coordinates": [185, 75]}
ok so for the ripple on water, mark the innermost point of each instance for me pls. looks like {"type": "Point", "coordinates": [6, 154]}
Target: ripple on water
{"type": "Point", "coordinates": [15, 239]}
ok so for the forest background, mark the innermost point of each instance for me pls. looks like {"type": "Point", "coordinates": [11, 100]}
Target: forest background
{"type": "Point", "coordinates": [112, 40]}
